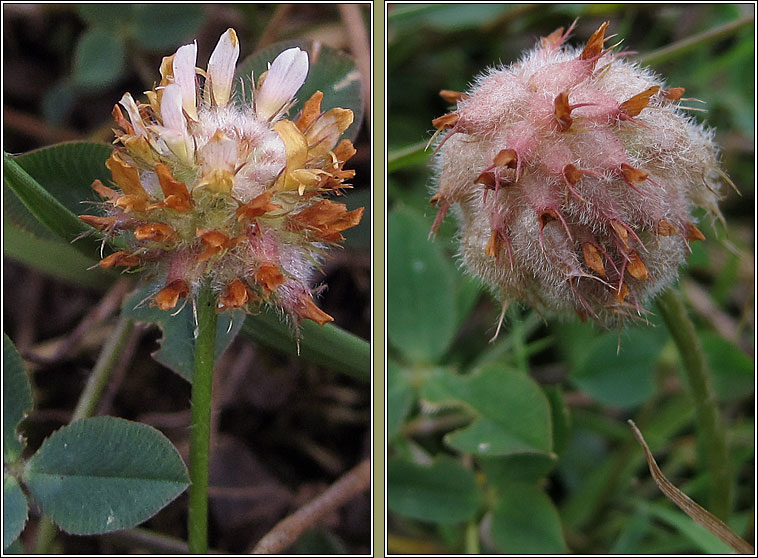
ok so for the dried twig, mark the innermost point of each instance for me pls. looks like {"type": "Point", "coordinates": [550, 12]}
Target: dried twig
{"type": "Point", "coordinates": [35, 128]}
{"type": "Point", "coordinates": [271, 32]}
{"type": "Point", "coordinates": [689, 506]}
{"type": "Point", "coordinates": [286, 532]}
{"type": "Point", "coordinates": [359, 44]}
{"type": "Point", "coordinates": [107, 305]}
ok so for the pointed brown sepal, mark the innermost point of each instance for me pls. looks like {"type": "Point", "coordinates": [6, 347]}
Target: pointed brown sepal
{"type": "Point", "coordinates": [572, 174]}
{"type": "Point", "coordinates": [563, 112]}
{"type": "Point", "coordinates": [169, 296]}
{"type": "Point", "coordinates": [636, 267]}
{"type": "Point", "coordinates": [592, 258]}
{"type": "Point", "coordinates": [486, 179]}
{"type": "Point", "coordinates": [125, 176]}
{"type": "Point", "coordinates": [506, 158]}
{"type": "Point", "coordinates": [329, 219]}
{"type": "Point", "coordinates": [131, 203]}
{"type": "Point", "coordinates": [344, 150]}
{"type": "Point", "coordinates": [443, 205]}
{"type": "Point", "coordinates": [632, 175]}
{"type": "Point", "coordinates": [445, 121]}
{"type": "Point", "coordinates": [692, 233]}
{"type": "Point", "coordinates": [100, 223]}
{"type": "Point", "coordinates": [674, 94]}
{"type": "Point", "coordinates": [634, 106]}
{"type": "Point", "coordinates": [452, 97]}
{"type": "Point", "coordinates": [104, 192]}
{"type": "Point", "coordinates": [546, 216]}
{"type": "Point", "coordinates": [237, 295]}
{"type": "Point", "coordinates": [493, 245]}
{"type": "Point", "coordinates": [155, 232]}
{"type": "Point", "coordinates": [214, 242]}
{"type": "Point", "coordinates": [305, 308]}
{"type": "Point", "coordinates": [120, 259]}
{"type": "Point", "coordinates": [123, 123]}
{"type": "Point", "coordinates": [259, 205]}
{"type": "Point", "coordinates": [621, 232]}
{"type": "Point", "coordinates": [269, 277]}
{"type": "Point", "coordinates": [664, 228]}
{"type": "Point", "coordinates": [553, 40]}
{"type": "Point", "coordinates": [176, 195]}
{"type": "Point", "coordinates": [595, 43]}
{"type": "Point", "coordinates": [621, 293]}
{"type": "Point", "coordinates": [311, 111]}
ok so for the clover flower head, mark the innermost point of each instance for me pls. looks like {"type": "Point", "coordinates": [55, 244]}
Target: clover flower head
{"type": "Point", "coordinates": [574, 174]}
{"type": "Point", "coordinates": [231, 191]}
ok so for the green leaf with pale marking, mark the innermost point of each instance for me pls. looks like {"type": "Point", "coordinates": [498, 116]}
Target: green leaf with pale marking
{"type": "Point", "coordinates": [17, 399]}
{"type": "Point", "coordinates": [443, 492]}
{"type": "Point", "coordinates": [104, 474]}
{"type": "Point", "coordinates": [512, 413]}
{"type": "Point", "coordinates": [15, 510]}
{"type": "Point", "coordinates": [177, 350]}
{"type": "Point", "coordinates": [331, 72]}
{"type": "Point", "coordinates": [421, 306]}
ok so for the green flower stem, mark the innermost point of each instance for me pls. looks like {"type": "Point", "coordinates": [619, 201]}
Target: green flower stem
{"type": "Point", "coordinates": [85, 407]}
{"type": "Point", "coordinates": [472, 538]}
{"type": "Point", "coordinates": [106, 362]}
{"type": "Point", "coordinates": [711, 433]}
{"type": "Point", "coordinates": [199, 458]}
{"type": "Point", "coordinates": [46, 531]}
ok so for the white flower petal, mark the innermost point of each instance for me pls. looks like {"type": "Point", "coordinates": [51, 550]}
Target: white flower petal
{"type": "Point", "coordinates": [169, 142]}
{"type": "Point", "coordinates": [220, 153]}
{"type": "Point", "coordinates": [131, 109]}
{"type": "Point", "coordinates": [171, 108]}
{"type": "Point", "coordinates": [184, 64]}
{"type": "Point", "coordinates": [285, 76]}
{"type": "Point", "coordinates": [174, 122]}
{"type": "Point", "coordinates": [221, 66]}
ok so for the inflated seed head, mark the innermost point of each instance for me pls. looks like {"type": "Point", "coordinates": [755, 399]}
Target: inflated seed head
{"type": "Point", "coordinates": [573, 174]}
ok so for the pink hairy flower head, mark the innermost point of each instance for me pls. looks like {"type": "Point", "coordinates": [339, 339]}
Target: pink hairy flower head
{"type": "Point", "coordinates": [574, 174]}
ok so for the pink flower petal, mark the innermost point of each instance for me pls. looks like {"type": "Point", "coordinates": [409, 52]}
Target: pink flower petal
{"type": "Point", "coordinates": [221, 66]}
{"type": "Point", "coordinates": [285, 76]}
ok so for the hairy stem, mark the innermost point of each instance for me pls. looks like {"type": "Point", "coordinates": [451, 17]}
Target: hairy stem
{"type": "Point", "coordinates": [711, 433]}
{"type": "Point", "coordinates": [199, 458]}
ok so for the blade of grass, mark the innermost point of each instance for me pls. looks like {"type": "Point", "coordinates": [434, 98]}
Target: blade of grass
{"type": "Point", "coordinates": [407, 156]}
{"type": "Point", "coordinates": [48, 210]}
{"type": "Point", "coordinates": [680, 48]}
{"type": "Point", "coordinates": [327, 345]}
